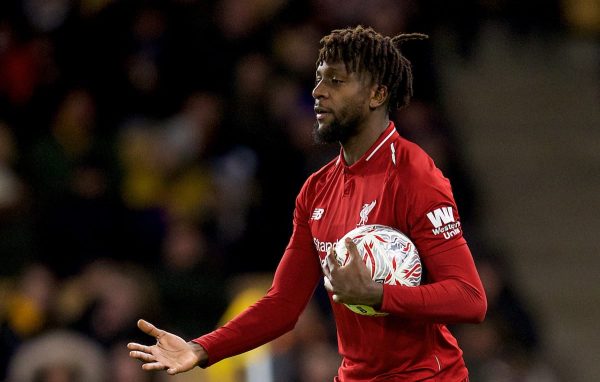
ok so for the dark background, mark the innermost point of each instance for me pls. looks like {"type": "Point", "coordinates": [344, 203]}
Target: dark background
{"type": "Point", "coordinates": [139, 148]}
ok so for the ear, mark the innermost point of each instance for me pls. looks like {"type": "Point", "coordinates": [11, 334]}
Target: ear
{"type": "Point", "coordinates": [379, 95]}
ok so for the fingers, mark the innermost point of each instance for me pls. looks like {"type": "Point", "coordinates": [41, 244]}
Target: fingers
{"type": "Point", "coordinates": [142, 356]}
{"type": "Point", "coordinates": [330, 289]}
{"type": "Point", "coordinates": [139, 347]}
{"type": "Point", "coordinates": [145, 353]}
{"type": "Point", "coordinates": [332, 268]}
{"type": "Point", "coordinates": [331, 260]}
{"type": "Point", "coordinates": [153, 366]}
{"type": "Point", "coordinates": [327, 279]}
{"type": "Point", "coordinates": [327, 284]}
{"type": "Point", "coordinates": [352, 250]}
{"type": "Point", "coordinates": [141, 352]}
{"type": "Point", "coordinates": [329, 263]}
{"type": "Point", "coordinates": [159, 366]}
{"type": "Point", "coordinates": [325, 268]}
{"type": "Point", "coordinates": [150, 329]}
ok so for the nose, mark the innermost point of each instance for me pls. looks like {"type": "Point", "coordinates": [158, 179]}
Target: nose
{"type": "Point", "coordinates": [318, 91]}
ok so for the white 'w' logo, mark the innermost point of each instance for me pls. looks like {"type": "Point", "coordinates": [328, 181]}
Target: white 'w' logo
{"type": "Point", "coordinates": [439, 216]}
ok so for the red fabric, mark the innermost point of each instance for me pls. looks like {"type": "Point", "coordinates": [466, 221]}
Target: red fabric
{"type": "Point", "coordinates": [454, 295]}
{"type": "Point", "coordinates": [395, 184]}
{"type": "Point", "coordinates": [294, 282]}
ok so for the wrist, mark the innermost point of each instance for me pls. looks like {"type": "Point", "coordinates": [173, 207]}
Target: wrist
{"type": "Point", "coordinates": [376, 295]}
{"type": "Point", "coordinates": [199, 352]}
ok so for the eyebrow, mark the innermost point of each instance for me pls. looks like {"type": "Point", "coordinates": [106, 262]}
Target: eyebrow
{"type": "Point", "coordinates": [332, 70]}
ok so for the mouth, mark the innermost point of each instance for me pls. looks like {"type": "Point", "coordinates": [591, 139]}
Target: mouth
{"type": "Point", "coordinates": [321, 112]}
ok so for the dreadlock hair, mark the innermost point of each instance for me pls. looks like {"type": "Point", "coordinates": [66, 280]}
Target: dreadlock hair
{"type": "Point", "coordinates": [365, 50]}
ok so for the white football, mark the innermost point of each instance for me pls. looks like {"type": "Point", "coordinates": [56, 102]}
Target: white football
{"type": "Point", "coordinates": [389, 255]}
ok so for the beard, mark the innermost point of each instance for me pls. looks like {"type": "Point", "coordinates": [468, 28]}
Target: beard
{"type": "Point", "coordinates": [339, 130]}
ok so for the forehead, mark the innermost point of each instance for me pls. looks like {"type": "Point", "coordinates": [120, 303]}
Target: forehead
{"type": "Point", "coordinates": [337, 67]}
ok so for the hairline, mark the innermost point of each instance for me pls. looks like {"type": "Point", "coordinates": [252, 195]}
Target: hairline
{"type": "Point", "coordinates": [361, 71]}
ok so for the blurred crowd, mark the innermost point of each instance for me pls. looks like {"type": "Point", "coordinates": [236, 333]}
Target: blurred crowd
{"type": "Point", "coordinates": [141, 144]}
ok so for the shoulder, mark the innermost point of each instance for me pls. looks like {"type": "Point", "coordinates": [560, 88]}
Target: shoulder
{"type": "Point", "coordinates": [415, 167]}
{"type": "Point", "coordinates": [315, 182]}
{"type": "Point", "coordinates": [321, 176]}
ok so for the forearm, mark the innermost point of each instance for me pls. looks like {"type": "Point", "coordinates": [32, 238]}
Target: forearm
{"type": "Point", "coordinates": [273, 315]}
{"type": "Point", "coordinates": [264, 321]}
{"type": "Point", "coordinates": [454, 295]}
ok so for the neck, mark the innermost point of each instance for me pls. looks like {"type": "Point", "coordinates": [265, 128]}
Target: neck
{"type": "Point", "coordinates": [356, 146]}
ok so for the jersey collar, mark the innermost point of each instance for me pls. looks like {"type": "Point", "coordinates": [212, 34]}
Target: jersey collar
{"type": "Point", "coordinates": [372, 152]}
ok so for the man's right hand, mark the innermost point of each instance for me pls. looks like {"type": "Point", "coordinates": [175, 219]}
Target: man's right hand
{"type": "Point", "coordinates": [171, 353]}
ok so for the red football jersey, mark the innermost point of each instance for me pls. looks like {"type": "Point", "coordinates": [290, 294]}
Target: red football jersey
{"type": "Point", "coordinates": [395, 183]}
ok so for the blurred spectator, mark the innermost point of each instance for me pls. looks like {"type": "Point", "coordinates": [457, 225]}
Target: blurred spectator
{"type": "Point", "coordinates": [246, 119]}
{"type": "Point", "coordinates": [318, 362]}
{"type": "Point", "coordinates": [11, 186]}
{"type": "Point", "coordinates": [74, 181]}
{"type": "Point", "coordinates": [140, 144]}
{"type": "Point", "coordinates": [190, 279]}
{"type": "Point", "coordinates": [167, 171]}
{"type": "Point", "coordinates": [309, 352]}
{"type": "Point", "coordinates": [16, 226]}
{"type": "Point", "coordinates": [26, 305]}
{"type": "Point", "coordinates": [293, 50]}
{"type": "Point", "coordinates": [29, 76]}
{"type": "Point", "coordinates": [46, 16]}
{"type": "Point", "coordinates": [59, 356]}
{"type": "Point", "coordinates": [239, 19]}
{"type": "Point", "coordinates": [141, 189]}
{"type": "Point", "coordinates": [122, 367]}
{"type": "Point", "coordinates": [235, 173]}
{"type": "Point", "coordinates": [242, 292]}
{"type": "Point", "coordinates": [145, 60]}
{"type": "Point", "coordinates": [72, 138]}
{"type": "Point", "coordinates": [105, 300]}
{"type": "Point", "coordinates": [190, 135]}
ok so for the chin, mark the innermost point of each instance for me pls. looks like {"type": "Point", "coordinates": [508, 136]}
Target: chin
{"type": "Point", "coordinates": [334, 131]}
{"type": "Point", "coordinates": [322, 128]}
{"type": "Point", "coordinates": [321, 132]}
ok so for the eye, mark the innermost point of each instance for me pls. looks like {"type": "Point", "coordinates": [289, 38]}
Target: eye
{"type": "Point", "coordinates": [336, 80]}
{"type": "Point", "coordinates": [317, 80]}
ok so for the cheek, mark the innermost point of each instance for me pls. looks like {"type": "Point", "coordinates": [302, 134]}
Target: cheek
{"type": "Point", "coordinates": [353, 107]}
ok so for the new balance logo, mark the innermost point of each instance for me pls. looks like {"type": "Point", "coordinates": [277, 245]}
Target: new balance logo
{"type": "Point", "coordinates": [317, 214]}
{"type": "Point", "coordinates": [441, 216]}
